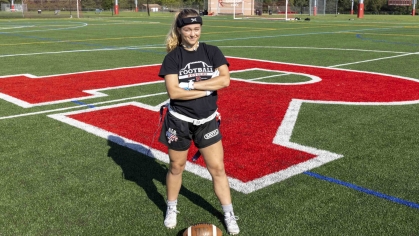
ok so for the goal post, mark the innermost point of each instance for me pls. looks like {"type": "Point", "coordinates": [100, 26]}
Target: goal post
{"type": "Point", "coordinates": [238, 8]}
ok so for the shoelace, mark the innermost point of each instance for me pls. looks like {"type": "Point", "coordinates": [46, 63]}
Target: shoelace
{"type": "Point", "coordinates": [171, 213]}
{"type": "Point", "coordinates": [232, 219]}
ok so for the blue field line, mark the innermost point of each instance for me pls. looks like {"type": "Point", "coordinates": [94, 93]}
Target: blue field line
{"type": "Point", "coordinates": [364, 190]}
{"type": "Point", "coordinates": [359, 36]}
{"type": "Point", "coordinates": [82, 103]}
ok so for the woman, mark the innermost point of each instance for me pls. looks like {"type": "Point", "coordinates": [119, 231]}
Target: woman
{"type": "Point", "coordinates": [193, 72]}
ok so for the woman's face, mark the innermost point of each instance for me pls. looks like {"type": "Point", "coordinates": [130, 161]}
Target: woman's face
{"type": "Point", "coordinates": [190, 34]}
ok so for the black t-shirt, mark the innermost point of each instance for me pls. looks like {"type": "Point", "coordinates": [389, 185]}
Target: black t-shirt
{"type": "Point", "coordinates": [194, 65]}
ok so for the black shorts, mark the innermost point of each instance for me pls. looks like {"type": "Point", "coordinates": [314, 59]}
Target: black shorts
{"type": "Point", "coordinates": [177, 134]}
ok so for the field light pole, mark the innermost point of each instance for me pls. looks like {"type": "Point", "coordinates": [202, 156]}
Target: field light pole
{"type": "Point", "coordinates": [116, 7]}
{"type": "Point", "coordinates": [23, 9]}
{"type": "Point", "coordinates": [77, 4]}
{"type": "Point", "coordinates": [324, 7]}
{"type": "Point", "coordinates": [336, 12]}
{"type": "Point", "coordinates": [361, 9]}
{"type": "Point", "coordinates": [234, 9]}
{"type": "Point", "coordinates": [69, 3]}
{"type": "Point", "coordinates": [413, 7]}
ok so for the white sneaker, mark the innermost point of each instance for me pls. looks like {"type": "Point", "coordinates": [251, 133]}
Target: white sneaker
{"type": "Point", "coordinates": [231, 223]}
{"type": "Point", "coordinates": [170, 220]}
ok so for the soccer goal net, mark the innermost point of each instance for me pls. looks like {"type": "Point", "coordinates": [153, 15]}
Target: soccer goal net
{"type": "Point", "coordinates": [230, 7]}
{"type": "Point", "coordinates": [49, 9]}
{"type": "Point", "coordinates": [8, 10]}
{"type": "Point", "coordinates": [280, 9]}
{"type": "Point", "coordinates": [237, 8]}
{"type": "Point", "coordinates": [322, 7]}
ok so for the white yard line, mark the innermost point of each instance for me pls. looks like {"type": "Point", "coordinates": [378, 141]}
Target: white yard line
{"type": "Point", "coordinates": [376, 59]}
{"type": "Point", "coordinates": [80, 106]}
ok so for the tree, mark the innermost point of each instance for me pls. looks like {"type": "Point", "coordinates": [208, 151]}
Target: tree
{"type": "Point", "coordinates": [107, 4]}
{"type": "Point", "coordinates": [89, 4]}
{"type": "Point", "coordinates": [300, 3]}
{"type": "Point", "coordinates": [170, 3]}
{"type": "Point", "coordinates": [375, 5]}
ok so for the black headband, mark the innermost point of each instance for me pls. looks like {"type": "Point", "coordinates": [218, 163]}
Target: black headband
{"type": "Point", "coordinates": [188, 20]}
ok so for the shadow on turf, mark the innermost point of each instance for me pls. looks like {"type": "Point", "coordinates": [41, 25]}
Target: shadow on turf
{"type": "Point", "coordinates": [143, 169]}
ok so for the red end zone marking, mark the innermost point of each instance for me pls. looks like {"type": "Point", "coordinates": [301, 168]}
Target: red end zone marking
{"type": "Point", "coordinates": [258, 118]}
{"type": "Point", "coordinates": [29, 90]}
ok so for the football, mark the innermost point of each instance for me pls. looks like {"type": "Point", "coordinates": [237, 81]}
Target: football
{"type": "Point", "coordinates": [203, 229]}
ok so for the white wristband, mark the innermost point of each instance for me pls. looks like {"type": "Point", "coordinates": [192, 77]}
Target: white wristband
{"type": "Point", "coordinates": [208, 92]}
{"type": "Point", "coordinates": [190, 85]}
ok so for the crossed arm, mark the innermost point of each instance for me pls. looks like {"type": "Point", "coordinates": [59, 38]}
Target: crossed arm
{"type": "Point", "coordinates": [200, 87]}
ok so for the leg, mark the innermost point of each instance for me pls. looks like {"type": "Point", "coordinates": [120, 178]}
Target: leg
{"type": "Point", "coordinates": [175, 135]}
{"type": "Point", "coordinates": [174, 175]}
{"type": "Point", "coordinates": [173, 184]}
{"type": "Point", "coordinates": [214, 159]}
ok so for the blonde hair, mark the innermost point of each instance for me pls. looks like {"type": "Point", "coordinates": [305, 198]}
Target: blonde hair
{"type": "Point", "coordinates": [173, 38]}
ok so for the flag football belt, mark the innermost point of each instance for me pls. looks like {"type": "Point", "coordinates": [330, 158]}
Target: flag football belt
{"type": "Point", "coordinates": [191, 120]}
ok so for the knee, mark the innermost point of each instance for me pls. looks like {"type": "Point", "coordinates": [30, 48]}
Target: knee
{"type": "Point", "coordinates": [176, 168]}
{"type": "Point", "coordinates": [217, 170]}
